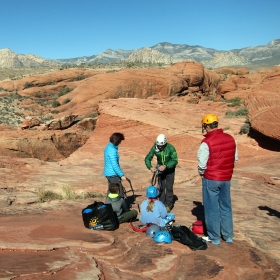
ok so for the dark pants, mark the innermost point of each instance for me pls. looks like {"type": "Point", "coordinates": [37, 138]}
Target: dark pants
{"type": "Point", "coordinates": [115, 179]}
{"type": "Point", "coordinates": [127, 216]}
{"type": "Point", "coordinates": [166, 181]}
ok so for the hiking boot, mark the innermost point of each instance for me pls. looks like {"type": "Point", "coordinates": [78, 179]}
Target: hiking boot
{"type": "Point", "coordinates": [167, 209]}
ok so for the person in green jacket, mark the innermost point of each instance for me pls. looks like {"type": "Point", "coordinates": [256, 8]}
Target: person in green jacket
{"type": "Point", "coordinates": [167, 159]}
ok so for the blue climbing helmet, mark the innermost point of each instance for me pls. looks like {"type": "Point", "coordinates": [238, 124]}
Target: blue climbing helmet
{"type": "Point", "coordinates": [163, 236]}
{"type": "Point", "coordinates": [152, 192]}
{"type": "Point", "coordinates": [152, 230]}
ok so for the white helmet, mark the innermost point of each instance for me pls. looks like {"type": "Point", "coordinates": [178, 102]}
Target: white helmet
{"type": "Point", "coordinates": [161, 140]}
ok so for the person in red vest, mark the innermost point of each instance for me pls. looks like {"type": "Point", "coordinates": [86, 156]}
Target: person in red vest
{"type": "Point", "coordinates": [216, 156]}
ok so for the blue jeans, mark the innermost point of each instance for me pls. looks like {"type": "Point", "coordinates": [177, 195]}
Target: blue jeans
{"type": "Point", "coordinates": [217, 209]}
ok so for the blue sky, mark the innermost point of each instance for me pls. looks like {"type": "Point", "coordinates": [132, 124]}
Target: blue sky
{"type": "Point", "coordinates": [73, 28]}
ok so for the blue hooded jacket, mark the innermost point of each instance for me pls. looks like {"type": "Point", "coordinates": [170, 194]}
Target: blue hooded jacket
{"type": "Point", "coordinates": [111, 161]}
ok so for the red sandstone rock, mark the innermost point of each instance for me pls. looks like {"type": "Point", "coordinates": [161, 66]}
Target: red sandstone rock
{"type": "Point", "coordinates": [30, 122]}
{"type": "Point", "coordinates": [51, 235]}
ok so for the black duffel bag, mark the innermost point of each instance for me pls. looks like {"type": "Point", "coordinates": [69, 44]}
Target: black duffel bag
{"type": "Point", "coordinates": [185, 236]}
{"type": "Point", "coordinates": [100, 216]}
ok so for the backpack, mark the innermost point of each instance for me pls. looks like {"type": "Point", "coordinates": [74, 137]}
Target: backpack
{"type": "Point", "coordinates": [100, 216]}
{"type": "Point", "coordinates": [185, 236]}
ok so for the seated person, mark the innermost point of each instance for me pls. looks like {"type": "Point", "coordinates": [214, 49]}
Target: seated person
{"type": "Point", "coordinates": [154, 211]}
{"type": "Point", "coordinates": [119, 205]}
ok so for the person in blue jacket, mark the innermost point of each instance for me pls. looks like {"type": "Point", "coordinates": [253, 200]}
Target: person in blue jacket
{"type": "Point", "coordinates": [112, 169]}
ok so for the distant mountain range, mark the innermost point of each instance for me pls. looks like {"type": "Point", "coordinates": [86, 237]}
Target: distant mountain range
{"type": "Point", "coordinates": [163, 53]}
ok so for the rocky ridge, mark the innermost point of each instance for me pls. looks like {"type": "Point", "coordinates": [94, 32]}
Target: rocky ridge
{"type": "Point", "coordinates": [253, 57]}
{"type": "Point", "coordinates": [148, 55]}
{"type": "Point", "coordinates": [10, 59]}
{"type": "Point", "coordinates": [224, 59]}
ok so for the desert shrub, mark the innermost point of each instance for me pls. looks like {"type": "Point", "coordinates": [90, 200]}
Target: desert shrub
{"type": "Point", "coordinates": [93, 195]}
{"type": "Point", "coordinates": [112, 71]}
{"type": "Point", "coordinates": [55, 103]}
{"type": "Point", "coordinates": [39, 94]}
{"type": "Point", "coordinates": [64, 91]}
{"type": "Point", "coordinates": [92, 115]}
{"type": "Point", "coordinates": [226, 128]}
{"type": "Point", "coordinates": [67, 100]}
{"type": "Point", "coordinates": [46, 195]}
{"type": "Point", "coordinates": [47, 118]}
{"type": "Point", "coordinates": [245, 128]}
{"type": "Point", "coordinates": [27, 85]}
{"type": "Point", "coordinates": [241, 112]}
{"type": "Point", "coordinates": [42, 102]}
{"type": "Point", "coordinates": [230, 114]}
{"type": "Point", "coordinates": [209, 97]}
{"type": "Point", "coordinates": [14, 96]}
{"type": "Point", "coordinates": [68, 193]}
{"type": "Point", "coordinates": [80, 77]}
{"type": "Point", "coordinates": [234, 102]}
{"type": "Point", "coordinates": [238, 113]}
{"type": "Point", "coordinates": [54, 111]}
{"type": "Point", "coordinates": [89, 195]}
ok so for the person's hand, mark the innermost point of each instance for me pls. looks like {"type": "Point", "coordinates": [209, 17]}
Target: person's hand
{"type": "Point", "coordinates": [162, 167]}
{"type": "Point", "coordinates": [123, 178]}
{"type": "Point", "coordinates": [153, 170]}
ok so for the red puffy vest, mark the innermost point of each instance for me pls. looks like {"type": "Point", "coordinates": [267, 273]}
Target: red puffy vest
{"type": "Point", "coordinates": [222, 155]}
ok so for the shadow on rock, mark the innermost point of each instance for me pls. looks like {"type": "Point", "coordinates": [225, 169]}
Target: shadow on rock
{"type": "Point", "coordinates": [198, 210]}
{"type": "Point", "coordinates": [271, 212]}
{"type": "Point", "coordinates": [131, 199]}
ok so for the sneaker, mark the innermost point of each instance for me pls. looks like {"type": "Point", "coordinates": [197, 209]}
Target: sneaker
{"type": "Point", "coordinates": [168, 226]}
{"type": "Point", "coordinates": [216, 242]}
{"type": "Point", "coordinates": [206, 238]}
{"type": "Point", "coordinates": [229, 240]}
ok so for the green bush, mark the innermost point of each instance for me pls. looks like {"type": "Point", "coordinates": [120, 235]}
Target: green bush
{"type": "Point", "coordinates": [242, 112]}
{"type": "Point", "coordinates": [67, 100]}
{"type": "Point", "coordinates": [80, 77]}
{"type": "Point", "coordinates": [92, 115]}
{"type": "Point", "coordinates": [64, 91]}
{"type": "Point", "coordinates": [234, 102]}
{"type": "Point", "coordinates": [54, 111]}
{"type": "Point", "coordinates": [55, 103]}
{"type": "Point", "coordinates": [46, 119]}
{"type": "Point", "coordinates": [28, 85]}
{"type": "Point", "coordinates": [245, 128]}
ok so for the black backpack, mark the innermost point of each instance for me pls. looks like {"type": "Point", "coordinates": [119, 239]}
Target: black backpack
{"type": "Point", "coordinates": [185, 236]}
{"type": "Point", "coordinates": [100, 216]}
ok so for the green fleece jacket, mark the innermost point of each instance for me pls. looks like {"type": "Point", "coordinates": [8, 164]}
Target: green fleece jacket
{"type": "Point", "coordinates": [168, 156]}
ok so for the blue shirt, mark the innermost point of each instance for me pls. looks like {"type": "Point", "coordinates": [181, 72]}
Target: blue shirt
{"type": "Point", "coordinates": [156, 217]}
